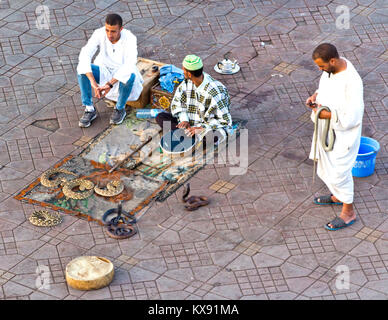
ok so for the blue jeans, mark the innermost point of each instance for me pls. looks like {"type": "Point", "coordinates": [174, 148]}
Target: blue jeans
{"type": "Point", "coordinates": [86, 88]}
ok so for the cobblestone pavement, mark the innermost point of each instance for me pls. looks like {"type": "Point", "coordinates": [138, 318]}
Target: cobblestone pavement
{"type": "Point", "coordinates": [263, 238]}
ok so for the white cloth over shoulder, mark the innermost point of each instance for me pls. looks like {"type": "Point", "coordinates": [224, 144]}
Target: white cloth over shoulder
{"type": "Point", "coordinates": [343, 94]}
{"type": "Point", "coordinates": [115, 61]}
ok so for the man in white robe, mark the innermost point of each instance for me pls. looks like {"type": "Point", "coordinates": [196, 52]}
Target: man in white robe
{"type": "Point", "coordinates": [340, 89]}
{"type": "Point", "coordinates": [113, 74]}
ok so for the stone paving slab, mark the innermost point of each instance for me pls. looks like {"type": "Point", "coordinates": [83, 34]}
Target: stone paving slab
{"type": "Point", "coordinates": [261, 237]}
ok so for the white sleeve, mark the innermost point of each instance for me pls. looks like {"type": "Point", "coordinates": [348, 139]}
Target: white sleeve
{"type": "Point", "coordinates": [87, 52]}
{"type": "Point", "coordinates": [130, 60]}
{"type": "Point", "coordinates": [350, 115]}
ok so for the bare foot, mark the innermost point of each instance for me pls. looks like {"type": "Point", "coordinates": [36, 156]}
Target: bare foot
{"type": "Point", "coordinates": [334, 199]}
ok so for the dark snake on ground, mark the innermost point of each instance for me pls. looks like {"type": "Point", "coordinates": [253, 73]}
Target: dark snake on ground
{"type": "Point", "coordinates": [193, 202]}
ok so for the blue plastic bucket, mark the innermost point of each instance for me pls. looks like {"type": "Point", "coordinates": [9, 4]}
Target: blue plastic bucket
{"type": "Point", "coordinates": [366, 158]}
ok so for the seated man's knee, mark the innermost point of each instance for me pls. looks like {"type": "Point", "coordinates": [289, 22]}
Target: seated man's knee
{"type": "Point", "coordinates": [96, 72]}
{"type": "Point", "coordinates": [130, 81]}
{"type": "Point", "coordinates": [159, 119]}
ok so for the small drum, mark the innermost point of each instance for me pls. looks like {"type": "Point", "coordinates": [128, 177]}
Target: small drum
{"type": "Point", "coordinates": [89, 273]}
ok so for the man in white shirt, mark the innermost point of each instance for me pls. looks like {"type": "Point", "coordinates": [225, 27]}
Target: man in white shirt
{"type": "Point", "coordinates": [113, 74]}
{"type": "Point", "coordinates": [340, 89]}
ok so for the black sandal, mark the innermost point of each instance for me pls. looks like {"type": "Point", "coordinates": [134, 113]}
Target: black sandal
{"type": "Point", "coordinates": [338, 223]}
{"type": "Point", "coordinates": [325, 200]}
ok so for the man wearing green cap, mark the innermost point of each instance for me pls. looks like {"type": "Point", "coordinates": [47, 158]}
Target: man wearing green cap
{"type": "Point", "coordinates": [200, 102]}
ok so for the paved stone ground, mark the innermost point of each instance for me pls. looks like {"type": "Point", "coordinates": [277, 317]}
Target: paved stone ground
{"type": "Point", "coordinates": [262, 239]}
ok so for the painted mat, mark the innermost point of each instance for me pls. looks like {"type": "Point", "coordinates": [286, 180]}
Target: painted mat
{"type": "Point", "coordinates": [138, 190]}
{"type": "Point", "coordinates": [155, 178]}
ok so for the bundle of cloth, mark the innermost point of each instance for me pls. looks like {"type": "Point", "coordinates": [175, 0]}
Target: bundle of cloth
{"type": "Point", "coordinates": [169, 76]}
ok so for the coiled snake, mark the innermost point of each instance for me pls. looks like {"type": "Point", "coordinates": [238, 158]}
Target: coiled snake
{"type": "Point", "coordinates": [82, 184]}
{"type": "Point", "coordinates": [121, 226]}
{"type": "Point", "coordinates": [327, 138]}
{"type": "Point", "coordinates": [86, 187]}
{"type": "Point", "coordinates": [47, 182]}
{"type": "Point", "coordinates": [193, 202]}
{"type": "Point", "coordinates": [113, 188]}
{"type": "Point", "coordinates": [43, 218]}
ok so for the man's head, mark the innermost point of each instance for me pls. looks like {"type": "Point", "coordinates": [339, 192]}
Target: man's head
{"type": "Point", "coordinates": [192, 66]}
{"type": "Point", "coordinates": [326, 57]}
{"type": "Point", "coordinates": [113, 27]}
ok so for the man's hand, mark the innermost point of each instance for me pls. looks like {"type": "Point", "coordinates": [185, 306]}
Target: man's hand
{"type": "Point", "coordinates": [193, 130]}
{"type": "Point", "coordinates": [324, 114]}
{"type": "Point", "coordinates": [315, 107]}
{"type": "Point", "coordinates": [104, 89]}
{"type": "Point", "coordinates": [94, 84]}
{"type": "Point", "coordinates": [96, 89]}
{"type": "Point", "coordinates": [311, 100]}
{"type": "Point", "coordinates": [184, 125]}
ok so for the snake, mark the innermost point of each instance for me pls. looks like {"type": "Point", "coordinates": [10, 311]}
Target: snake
{"type": "Point", "coordinates": [113, 188]}
{"type": "Point", "coordinates": [53, 183]}
{"type": "Point", "coordinates": [85, 186]}
{"type": "Point", "coordinates": [193, 202]}
{"type": "Point", "coordinates": [43, 218]}
{"type": "Point", "coordinates": [120, 226]}
{"type": "Point", "coordinates": [327, 137]}
{"type": "Point", "coordinates": [120, 231]}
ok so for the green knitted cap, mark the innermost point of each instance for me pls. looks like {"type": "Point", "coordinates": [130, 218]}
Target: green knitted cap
{"type": "Point", "coordinates": [192, 62]}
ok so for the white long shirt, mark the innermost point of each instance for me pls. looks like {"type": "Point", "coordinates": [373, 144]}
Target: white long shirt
{"type": "Point", "coordinates": [343, 94]}
{"type": "Point", "coordinates": [115, 61]}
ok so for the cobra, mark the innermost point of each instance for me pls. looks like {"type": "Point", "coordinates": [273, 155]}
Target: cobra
{"type": "Point", "coordinates": [85, 186]}
{"type": "Point", "coordinates": [53, 183]}
{"type": "Point", "coordinates": [113, 188]}
{"type": "Point", "coordinates": [193, 202]}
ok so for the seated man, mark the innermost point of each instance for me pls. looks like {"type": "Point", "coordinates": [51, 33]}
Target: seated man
{"type": "Point", "coordinates": [114, 73]}
{"type": "Point", "coordinates": [200, 103]}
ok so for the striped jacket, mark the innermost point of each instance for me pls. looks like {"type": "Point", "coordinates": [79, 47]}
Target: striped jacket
{"type": "Point", "coordinates": [206, 106]}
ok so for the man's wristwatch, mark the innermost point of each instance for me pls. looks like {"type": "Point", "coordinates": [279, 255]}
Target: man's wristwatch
{"type": "Point", "coordinates": [109, 84]}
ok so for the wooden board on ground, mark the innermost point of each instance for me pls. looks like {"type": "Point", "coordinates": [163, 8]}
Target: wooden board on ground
{"type": "Point", "coordinates": [89, 273]}
{"type": "Point", "coordinates": [150, 78]}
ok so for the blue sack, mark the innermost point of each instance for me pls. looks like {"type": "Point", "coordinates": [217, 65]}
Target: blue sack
{"type": "Point", "coordinates": [168, 74]}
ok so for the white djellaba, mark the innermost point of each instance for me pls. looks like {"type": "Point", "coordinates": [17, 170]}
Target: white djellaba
{"type": "Point", "coordinates": [343, 94]}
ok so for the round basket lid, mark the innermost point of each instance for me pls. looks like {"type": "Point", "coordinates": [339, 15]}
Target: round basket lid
{"type": "Point", "coordinates": [176, 141]}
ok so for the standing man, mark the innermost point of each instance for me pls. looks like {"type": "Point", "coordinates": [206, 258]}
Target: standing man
{"type": "Point", "coordinates": [340, 89]}
{"type": "Point", "coordinates": [114, 73]}
{"type": "Point", "coordinates": [199, 103]}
